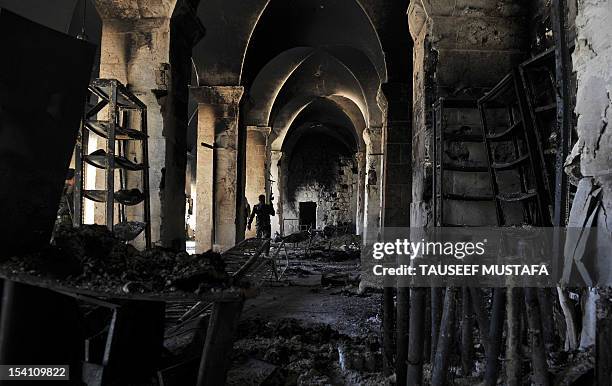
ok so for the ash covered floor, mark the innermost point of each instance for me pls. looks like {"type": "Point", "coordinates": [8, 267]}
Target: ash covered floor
{"type": "Point", "coordinates": [312, 327]}
{"type": "Point", "coordinates": [307, 300]}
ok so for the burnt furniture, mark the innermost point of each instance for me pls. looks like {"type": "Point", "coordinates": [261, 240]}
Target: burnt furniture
{"type": "Point", "coordinates": [454, 132]}
{"type": "Point", "coordinates": [124, 126]}
{"type": "Point", "coordinates": [514, 157]}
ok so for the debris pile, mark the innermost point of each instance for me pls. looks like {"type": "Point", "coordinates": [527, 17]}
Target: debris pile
{"type": "Point", "coordinates": [340, 279]}
{"type": "Point", "coordinates": [294, 353]}
{"type": "Point", "coordinates": [336, 248]}
{"type": "Point", "coordinates": [91, 257]}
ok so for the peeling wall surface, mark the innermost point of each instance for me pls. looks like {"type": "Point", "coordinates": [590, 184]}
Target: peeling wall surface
{"type": "Point", "coordinates": [592, 58]}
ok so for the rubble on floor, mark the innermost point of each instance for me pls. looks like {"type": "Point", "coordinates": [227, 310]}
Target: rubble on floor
{"type": "Point", "coordinates": [317, 245]}
{"type": "Point", "coordinates": [340, 279]}
{"type": "Point", "coordinates": [331, 261]}
{"type": "Point", "coordinates": [91, 257]}
{"type": "Point", "coordinates": [290, 352]}
{"type": "Point", "coordinates": [335, 247]}
{"type": "Point", "coordinates": [312, 327]}
{"type": "Point", "coordinates": [574, 368]}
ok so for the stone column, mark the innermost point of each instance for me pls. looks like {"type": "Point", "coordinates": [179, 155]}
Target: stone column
{"type": "Point", "coordinates": [361, 180]}
{"type": "Point", "coordinates": [203, 195]}
{"type": "Point", "coordinates": [417, 20]}
{"type": "Point", "coordinates": [185, 31]}
{"type": "Point", "coordinates": [135, 50]}
{"type": "Point", "coordinates": [257, 170]}
{"type": "Point", "coordinates": [373, 185]}
{"type": "Point", "coordinates": [217, 166]}
{"type": "Point", "coordinates": [398, 156]}
{"type": "Point", "coordinates": [276, 222]}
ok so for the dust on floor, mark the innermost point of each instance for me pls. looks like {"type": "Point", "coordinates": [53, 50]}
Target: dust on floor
{"type": "Point", "coordinates": [312, 328]}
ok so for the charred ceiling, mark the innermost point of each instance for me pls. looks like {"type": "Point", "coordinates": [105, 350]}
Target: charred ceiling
{"type": "Point", "coordinates": [312, 57]}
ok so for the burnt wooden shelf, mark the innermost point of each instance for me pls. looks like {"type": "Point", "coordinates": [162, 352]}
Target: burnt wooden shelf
{"type": "Point", "coordinates": [503, 135]}
{"type": "Point", "coordinates": [465, 197]}
{"type": "Point", "coordinates": [126, 197]}
{"type": "Point", "coordinates": [99, 160]}
{"type": "Point", "coordinates": [510, 91]}
{"type": "Point", "coordinates": [454, 167]}
{"type": "Point", "coordinates": [449, 130]}
{"type": "Point", "coordinates": [122, 134]}
{"type": "Point", "coordinates": [116, 115]}
{"type": "Point", "coordinates": [511, 164]}
{"type": "Point", "coordinates": [125, 99]}
{"type": "Point", "coordinates": [476, 138]}
{"type": "Point", "coordinates": [516, 197]}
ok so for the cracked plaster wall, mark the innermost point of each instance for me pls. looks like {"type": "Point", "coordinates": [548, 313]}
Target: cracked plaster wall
{"type": "Point", "coordinates": [592, 60]}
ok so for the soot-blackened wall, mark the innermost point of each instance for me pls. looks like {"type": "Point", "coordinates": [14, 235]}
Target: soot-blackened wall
{"type": "Point", "coordinates": [323, 170]}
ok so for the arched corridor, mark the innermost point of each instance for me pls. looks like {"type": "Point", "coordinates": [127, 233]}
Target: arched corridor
{"type": "Point", "coordinates": [246, 191]}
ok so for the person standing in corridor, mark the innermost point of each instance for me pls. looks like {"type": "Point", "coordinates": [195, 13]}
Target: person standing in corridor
{"type": "Point", "coordinates": [263, 212]}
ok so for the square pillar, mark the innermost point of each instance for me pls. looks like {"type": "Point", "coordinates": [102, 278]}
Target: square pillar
{"type": "Point", "coordinates": [398, 155]}
{"type": "Point", "coordinates": [361, 167]}
{"type": "Point", "coordinates": [257, 166]}
{"type": "Point", "coordinates": [276, 222]}
{"type": "Point", "coordinates": [217, 166]}
{"type": "Point", "coordinates": [135, 49]}
{"type": "Point", "coordinates": [373, 185]}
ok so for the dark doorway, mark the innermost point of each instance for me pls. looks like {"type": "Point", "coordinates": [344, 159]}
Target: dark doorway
{"type": "Point", "coordinates": [308, 215]}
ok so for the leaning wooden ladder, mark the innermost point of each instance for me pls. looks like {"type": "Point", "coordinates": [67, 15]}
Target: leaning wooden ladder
{"type": "Point", "coordinates": [516, 180]}
{"type": "Point", "coordinates": [505, 128]}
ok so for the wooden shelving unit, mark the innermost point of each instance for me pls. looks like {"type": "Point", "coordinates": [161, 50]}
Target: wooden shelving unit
{"type": "Point", "coordinates": [122, 109]}
{"type": "Point", "coordinates": [443, 136]}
